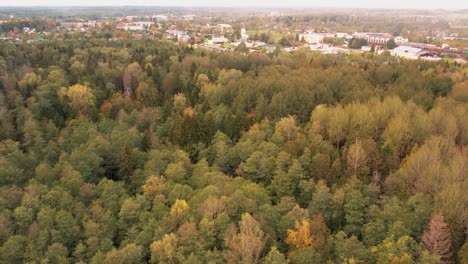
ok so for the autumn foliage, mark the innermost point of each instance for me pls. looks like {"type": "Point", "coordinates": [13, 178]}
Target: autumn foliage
{"type": "Point", "coordinates": [307, 233]}
{"type": "Point", "coordinates": [437, 239]}
{"type": "Point", "coordinates": [300, 236]}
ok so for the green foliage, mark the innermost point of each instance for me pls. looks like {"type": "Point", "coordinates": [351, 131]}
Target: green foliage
{"type": "Point", "coordinates": [391, 44]}
{"type": "Point", "coordinates": [143, 151]}
{"type": "Point", "coordinates": [131, 254]}
{"type": "Point", "coordinates": [275, 257]}
{"type": "Point", "coordinates": [391, 250]}
{"type": "Point", "coordinates": [354, 209]}
{"type": "Point", "coordinates": [348, 248]}
{"type": "Point", "coordinates": [357, 43]}
{"type": "Point", "coordinates": [304, 256]}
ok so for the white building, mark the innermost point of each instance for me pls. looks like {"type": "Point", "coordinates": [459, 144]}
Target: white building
{"type": "Point", "coordinates": [343, 35]}
{"type": "Point", "coordinates": [78, 26]}
{"type": "Point", "coordinates": [218, 40]}
{"type": "Point", "coordinates": [135, 26]}
{"type": "Point", "coordinates": [244, 35]}
{"type": "Point", "coordinates": [411, 53]}
{"type": "Point", "coordinates": [324, 48]}
{"type": "Point", "coordinates": [401, 40]}
{"type": "Point", "coordinates": [312, 37]}
{"type": "Point", "coordinates": [406, 52]}
{"type": "Point", "coordinates": [132, 28]}
{"type": "Point", "coordinates": [378, 38]}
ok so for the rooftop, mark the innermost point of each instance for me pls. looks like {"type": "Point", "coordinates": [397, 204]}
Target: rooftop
{"type": "Point", "coordinates": [407, 49]}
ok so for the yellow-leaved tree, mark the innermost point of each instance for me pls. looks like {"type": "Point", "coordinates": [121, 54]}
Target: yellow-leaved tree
{"type": "Point", "coordinates": [300, 236]}
{"type": "Point", "coordinates": [79, 99]}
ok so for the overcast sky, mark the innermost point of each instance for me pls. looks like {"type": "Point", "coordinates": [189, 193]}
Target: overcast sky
{"type": "Point", "coordinates": [400, 4]}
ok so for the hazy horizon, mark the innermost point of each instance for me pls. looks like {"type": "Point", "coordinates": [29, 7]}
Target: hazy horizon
{"type": "Point", "coordinates": [396, 4]}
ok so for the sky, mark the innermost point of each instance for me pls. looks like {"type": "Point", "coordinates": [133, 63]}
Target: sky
{"type": "Point", "coordinates": [397, 4]}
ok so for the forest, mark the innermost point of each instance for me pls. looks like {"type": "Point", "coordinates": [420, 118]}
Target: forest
{"type": "Point", "coordinates": [151, 152]}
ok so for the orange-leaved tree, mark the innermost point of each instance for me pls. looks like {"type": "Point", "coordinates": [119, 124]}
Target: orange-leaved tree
{"type": "Point", "coordinates": [437, 239]}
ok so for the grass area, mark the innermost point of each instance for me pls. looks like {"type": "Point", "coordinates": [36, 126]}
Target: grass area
{"type": "Point", "coordinates": [274, 34]}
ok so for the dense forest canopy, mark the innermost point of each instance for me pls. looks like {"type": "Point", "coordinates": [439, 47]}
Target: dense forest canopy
{"type": "Point", "coordinates": [147, 151]}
